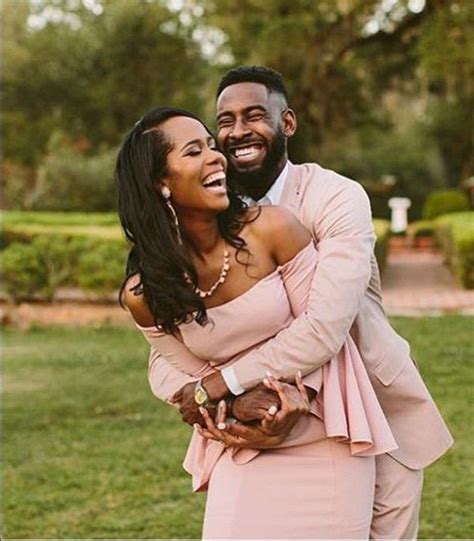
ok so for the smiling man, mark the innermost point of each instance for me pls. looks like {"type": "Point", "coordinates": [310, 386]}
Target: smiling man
{"type": "Point", "coordinates": [254, 123]}
{"type": "Point", "coordinates": [253, 127]}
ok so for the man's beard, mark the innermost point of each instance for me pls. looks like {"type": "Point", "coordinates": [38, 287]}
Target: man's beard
{"type": "Point", "coordinates": [256, 183]}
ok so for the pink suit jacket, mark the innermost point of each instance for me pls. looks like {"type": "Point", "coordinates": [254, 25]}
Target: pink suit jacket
{"type": "Point", "coordinates": [345, 297]}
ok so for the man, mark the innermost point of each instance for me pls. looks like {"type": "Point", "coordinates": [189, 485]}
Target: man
{"type": "Point", "coordinates": [254, 123]}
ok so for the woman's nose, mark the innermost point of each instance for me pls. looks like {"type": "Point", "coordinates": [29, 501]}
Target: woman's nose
{"type": "Point", "coordinates": [216, 156]}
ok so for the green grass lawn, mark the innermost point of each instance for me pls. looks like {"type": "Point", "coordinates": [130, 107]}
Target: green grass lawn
{"type": "Point", "coordinates": [90, 453]}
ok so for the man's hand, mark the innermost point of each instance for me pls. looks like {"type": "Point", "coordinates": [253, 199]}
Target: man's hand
{"type": "Point", "coordinates": [294, 403]}
{"type": "Point", "coordinates": [187, 405]}
{"type": "Point", "coordinates": [274, 428]}
{"type": "Point", "coordinates": [254, 404]}
{"type": "Point", "coordinates": [237, 434]}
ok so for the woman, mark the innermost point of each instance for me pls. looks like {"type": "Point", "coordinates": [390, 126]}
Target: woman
{"type": "Point", "coordinates": [209, 278]}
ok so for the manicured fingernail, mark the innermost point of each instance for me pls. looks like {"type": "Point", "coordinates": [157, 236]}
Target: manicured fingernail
{"type": "Point", "coordinates": [272, 410]}
{"type": "Point", "coordinates": [196, 426]}
{"type": "Point", "coordinates": [222, 403]}
{"type": "Point", "coordinates": [269, 374]}
{"type": "Point", "coordinates": [300, 375]}
{"type": "Point", "coordinates": [221, 426]}
{"type": "Point", "coordinates": [265, 381]}
{"type": "Point", "coordinates": [202, 410]}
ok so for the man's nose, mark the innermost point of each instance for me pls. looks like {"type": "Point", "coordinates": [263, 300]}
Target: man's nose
{"type": "Point", "coordinates": [239, 130]}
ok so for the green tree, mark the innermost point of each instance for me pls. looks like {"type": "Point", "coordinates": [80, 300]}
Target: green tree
{"type": "Point", "coordinates": [92, 75]}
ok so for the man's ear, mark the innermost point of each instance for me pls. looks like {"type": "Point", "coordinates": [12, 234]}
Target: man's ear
{"type": "Point", "coordinates": [289, 123]}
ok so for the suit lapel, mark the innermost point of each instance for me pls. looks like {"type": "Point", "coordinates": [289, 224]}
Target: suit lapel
{"type": "Point", "coordinates": [292, 192]}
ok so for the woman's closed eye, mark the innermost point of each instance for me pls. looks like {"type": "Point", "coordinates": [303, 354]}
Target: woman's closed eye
{"type": "Point", "coordinates": [197, 149]}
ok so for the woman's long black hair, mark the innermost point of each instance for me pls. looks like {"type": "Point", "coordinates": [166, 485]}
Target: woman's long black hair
{"type": "Point", "coordinates": [156, 253]}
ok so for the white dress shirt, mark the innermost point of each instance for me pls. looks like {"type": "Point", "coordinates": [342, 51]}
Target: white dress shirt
{"type": "Point", "coordinates": [272, 197]}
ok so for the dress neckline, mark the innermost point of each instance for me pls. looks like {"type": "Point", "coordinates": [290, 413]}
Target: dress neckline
{"type": "Point", "coordinates": [247, 291]}
{"type": "Point", "coordinates": [264, 279]}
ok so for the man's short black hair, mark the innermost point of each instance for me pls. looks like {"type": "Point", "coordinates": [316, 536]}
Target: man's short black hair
{"type": "Point", "coordinates": [254, 74]}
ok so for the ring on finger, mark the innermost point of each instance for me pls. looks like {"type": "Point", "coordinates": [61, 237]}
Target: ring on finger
{"type": "Point", "coordinates": [272, 409]}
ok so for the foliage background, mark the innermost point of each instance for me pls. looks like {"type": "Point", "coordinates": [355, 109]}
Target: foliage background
{"type": "Point", "coordinates": [383, 88]}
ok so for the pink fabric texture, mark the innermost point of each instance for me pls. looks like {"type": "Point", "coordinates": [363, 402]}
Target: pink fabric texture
{"type": "Point", "coordinates": [345, 408]}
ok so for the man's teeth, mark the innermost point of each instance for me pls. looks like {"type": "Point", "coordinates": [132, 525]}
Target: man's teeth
{"type": "Point", "coordinates": [216, 179]}
{"type": "Point", "coordinates": [249, 151]}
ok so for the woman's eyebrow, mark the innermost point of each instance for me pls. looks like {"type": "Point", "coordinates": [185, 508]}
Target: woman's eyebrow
{"type": "Point", "coordinates": [193, 142]}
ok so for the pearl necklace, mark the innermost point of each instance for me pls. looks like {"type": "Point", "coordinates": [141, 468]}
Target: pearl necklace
{"type": "Point", "coordinates": [222, 278]}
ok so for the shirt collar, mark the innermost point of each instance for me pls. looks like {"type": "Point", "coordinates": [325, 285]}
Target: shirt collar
{"type": "Point", "coordinates": [273, 196]}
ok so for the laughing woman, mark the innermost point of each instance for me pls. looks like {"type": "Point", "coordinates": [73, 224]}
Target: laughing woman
{"type": "Point", "coordinates": [209, 278]}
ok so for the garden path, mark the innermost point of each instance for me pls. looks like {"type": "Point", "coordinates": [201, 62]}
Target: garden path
{"type": "Point", "coordinates": [416, 282]}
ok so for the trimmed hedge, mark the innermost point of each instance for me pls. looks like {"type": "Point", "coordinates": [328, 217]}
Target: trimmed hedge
{"type": "Point", "coordinates": [422, 228]}
{"type": "Point", "coordinates": [455, 236]}
{"type": "Point", "coordinates": [444, 202]}
{"type": "Point", "coordinates": [382, 231]}
{"type": "Point", "coordinates": [59, 219]}
{"type": "Point", "coordinates": [45, 251]}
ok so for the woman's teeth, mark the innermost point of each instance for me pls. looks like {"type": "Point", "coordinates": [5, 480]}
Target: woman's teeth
{"type": "Point", "coordinates": [213, 181]}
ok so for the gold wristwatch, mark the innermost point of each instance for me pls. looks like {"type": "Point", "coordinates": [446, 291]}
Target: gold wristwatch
{"type": "Point", "coordinates": [200, 395]}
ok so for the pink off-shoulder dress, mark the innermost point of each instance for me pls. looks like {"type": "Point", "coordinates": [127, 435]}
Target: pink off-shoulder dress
{"type": "Point", "coordinates": [320, 482]}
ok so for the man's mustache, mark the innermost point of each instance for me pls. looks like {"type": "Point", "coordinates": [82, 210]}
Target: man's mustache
{"type": "Point", "coordinates": [243, 142]}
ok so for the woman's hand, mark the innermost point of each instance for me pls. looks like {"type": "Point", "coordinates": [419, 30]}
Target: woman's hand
{"type": "Point", "coordinates": [294, 403]}
{"type": "Point", "coordinates": [273, 429]}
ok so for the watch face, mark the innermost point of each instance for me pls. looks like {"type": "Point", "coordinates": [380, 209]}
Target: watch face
{"type": "Point", "coordinates": [200, 396]}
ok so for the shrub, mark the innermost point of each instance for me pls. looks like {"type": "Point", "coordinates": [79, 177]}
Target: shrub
{"type": "Point", "coordinates": [24, 272]}
{"type": "Point", "coordinates": [69, 179]}
{"type": "Point", "coordinates": [39, 259]}
{"type": "Point", "coordinates": [26, 233]}
{"type": "Point", "coordinates": [18, 185]}
{"type": "Point", "coordinates": [40, 267]}
{"type": "Point", "coordinates": [382, 232]}
{"type": "Point", "coordinates": [422, 228]}
{"type": "Point", "coordinates": [102, 267]}
{"type": "Point", "coordinates": [43, 255]}
{"type": "Point", "coordinates": [444, 202]}
{"type": "Point", "coordinates": [455, 235]}
{"type": "Point", "coordinates": [59, 219]}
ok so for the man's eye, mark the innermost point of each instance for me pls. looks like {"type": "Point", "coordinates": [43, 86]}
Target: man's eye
{"type": "Point", "coordinates": [255, 118]}
{"type": "Point", "coordinates": [225, 123]}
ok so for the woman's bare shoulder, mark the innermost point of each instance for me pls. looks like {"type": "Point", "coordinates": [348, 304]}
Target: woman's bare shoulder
{"type": "Point", "coordinates": [270, 219]}
{"type": "Point", "coordinates": [283, 233]}
{"type": "Point", "coordinates": [134, 300]}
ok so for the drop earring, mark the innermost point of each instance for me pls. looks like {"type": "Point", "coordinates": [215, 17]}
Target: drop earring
{"type": "Point", "coordinates": [166, 193]}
